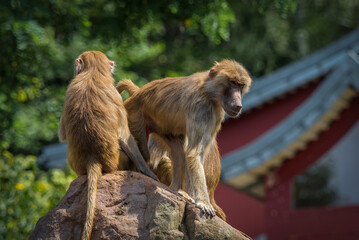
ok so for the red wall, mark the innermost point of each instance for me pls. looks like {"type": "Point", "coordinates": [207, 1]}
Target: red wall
{"type": "Point", "coordinates": [284, 222]}
{"type": "Point", "coordinates": [243, 212]}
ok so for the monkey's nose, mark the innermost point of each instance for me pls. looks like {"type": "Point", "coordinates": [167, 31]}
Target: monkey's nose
{"type": "Point", "coordinates": [238, 107]}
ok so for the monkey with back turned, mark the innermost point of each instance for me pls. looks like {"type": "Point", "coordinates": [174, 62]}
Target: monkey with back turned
{"type": "Point", "coordinates": [94, 122]}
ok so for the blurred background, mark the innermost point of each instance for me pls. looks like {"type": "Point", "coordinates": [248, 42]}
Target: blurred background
{"type": "Point", "coordinates": [282, 172]}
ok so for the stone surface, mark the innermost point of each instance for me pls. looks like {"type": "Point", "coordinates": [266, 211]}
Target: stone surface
{"type": "Point", "coordinates": [130, 206]}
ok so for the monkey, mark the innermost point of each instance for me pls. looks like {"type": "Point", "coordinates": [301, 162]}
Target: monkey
{"type": "Point", "coordinates": [190, 110]}
{"type": "Point", "coordinates": [160, 161]}
{"type": "Point", "coordinates": [94, 123]}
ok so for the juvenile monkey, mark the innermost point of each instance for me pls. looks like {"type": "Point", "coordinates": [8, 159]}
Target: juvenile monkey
{"type": "Point", "coordinates": [94, 122]}
{"type": "Point", "coordinates": [190, 111]}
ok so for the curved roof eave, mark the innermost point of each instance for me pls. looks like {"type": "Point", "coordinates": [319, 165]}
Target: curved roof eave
{"type": "Point", "coordinates": [346, 75]}
{"type": "Point", "coordinates": [301, 72]}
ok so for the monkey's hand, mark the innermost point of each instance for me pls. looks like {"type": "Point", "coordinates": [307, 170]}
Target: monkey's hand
{"type": "Point", "coordinates": [206, 207]}
{"type": "Point", "coordinates": [186, 196]}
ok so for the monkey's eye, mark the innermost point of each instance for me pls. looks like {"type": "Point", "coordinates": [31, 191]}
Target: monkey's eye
{"type": "Point", "coordinates": [236, 84]}
{"type": "Point", "coordinates": [233, 83]}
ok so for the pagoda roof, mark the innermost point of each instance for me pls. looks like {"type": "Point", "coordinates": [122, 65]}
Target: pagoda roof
{"type": "Point", "coordinates": [338, 65]}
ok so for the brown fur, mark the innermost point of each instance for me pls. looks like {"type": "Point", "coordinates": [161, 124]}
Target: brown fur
{"type": "Point", "coordinates": [94, 122]}
{"type": "Point", "coordinates": [189, 110]}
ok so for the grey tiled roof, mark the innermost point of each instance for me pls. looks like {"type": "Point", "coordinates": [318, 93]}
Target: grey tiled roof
{"type": "Point", "coordinates": [53, 156]}
{"type": "Point", "coordinates": [339, 62]}
{"type": "Point", "coordinates": [298, 73]}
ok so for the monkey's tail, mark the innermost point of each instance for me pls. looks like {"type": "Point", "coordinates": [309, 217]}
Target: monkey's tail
{"type": "Point", "coordinates": [94, 172]}
{"type": "Point", "coordinates": [127, 85]}
{"type": "Point", "coordinates": [219, 211]}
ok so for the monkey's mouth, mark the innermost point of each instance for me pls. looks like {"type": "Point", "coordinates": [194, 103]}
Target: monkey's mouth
{"type": "Point", "coordinates": [234, 114]}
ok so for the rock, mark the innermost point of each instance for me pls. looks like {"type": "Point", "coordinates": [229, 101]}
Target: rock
{"type": "Point", "coordinates": [130, 206]}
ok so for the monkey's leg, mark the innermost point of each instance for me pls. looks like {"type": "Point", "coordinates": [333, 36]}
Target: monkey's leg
{"type": "Point", "coordinates": [137, 127]}
{"type": "Point", "coordinates": [178, 161]}
{"type": "Point", "coordinates": [129, 146]}
{"type": "Point", "coordinates": [160, 162]}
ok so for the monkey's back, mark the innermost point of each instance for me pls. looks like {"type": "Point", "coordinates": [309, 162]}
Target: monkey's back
{"type": "Point", "coordinates": [92, 110]}
{"type": "Point", "coordinates": [169, 101]}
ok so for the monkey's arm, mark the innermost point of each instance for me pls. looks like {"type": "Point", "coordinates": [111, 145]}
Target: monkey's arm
{"type": "Point", "coordinates": [196, 141]}
{"type": "Point", "coordinates": [196, 176]}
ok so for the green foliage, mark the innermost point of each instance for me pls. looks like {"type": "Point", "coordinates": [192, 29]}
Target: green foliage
{"type": "Point", "coordinates": [313, 188]}
{"type": "Point", "coordinates": [42, 39]}
{"type": "Point", "coordinates": [27, 193]}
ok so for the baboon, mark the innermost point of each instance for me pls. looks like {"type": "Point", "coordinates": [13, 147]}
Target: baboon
{"type": "Point", "coordinates": [94, 122]}
{"type": "Point", "coordinates": [160, 159]}
{"type": "Point", "coordinates": [190, 111]}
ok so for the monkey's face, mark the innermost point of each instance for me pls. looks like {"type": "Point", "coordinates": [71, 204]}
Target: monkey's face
{"type": "Point", "coordinates": [229, 81]}
{"type": "Point", "coordinates": [232, 99]}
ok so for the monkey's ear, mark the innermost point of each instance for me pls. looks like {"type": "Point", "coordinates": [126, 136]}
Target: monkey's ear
{"type": "Point", "coordinates": [212, 73]}
{"type": "Point", "coordinates": [78, 65]}
{"type": "Point", "coordinates": [112, 66]}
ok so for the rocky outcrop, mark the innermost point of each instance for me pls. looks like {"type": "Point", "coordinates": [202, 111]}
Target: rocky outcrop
{"type": "Point", "coordinates": [130, 206]}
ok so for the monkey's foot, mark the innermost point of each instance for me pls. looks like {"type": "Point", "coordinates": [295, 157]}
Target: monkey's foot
{"type": "Point", "coordinates": [186, 196]}
{"type": "Point", "coordinates": [206, 207]}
